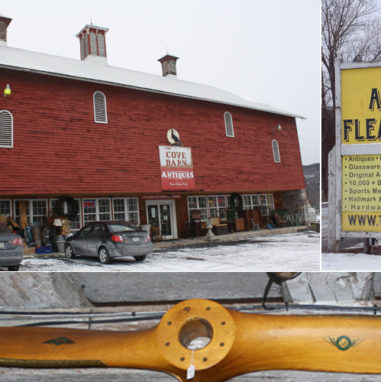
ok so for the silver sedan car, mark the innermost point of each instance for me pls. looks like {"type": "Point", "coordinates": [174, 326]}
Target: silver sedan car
{"type": "Point", "coordinates": [11, 249]}
{"type": "Point", "coordinates": [109, 240]}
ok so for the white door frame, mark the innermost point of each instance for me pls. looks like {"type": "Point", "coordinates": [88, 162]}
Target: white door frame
{"type": "Point", "coordinates": [172, 204]}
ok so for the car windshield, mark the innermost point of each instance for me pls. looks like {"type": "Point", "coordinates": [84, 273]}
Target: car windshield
{"type": "Point", "coordinates": [4, 228]}
{"type": "Point", "coordinates": [120, 227]}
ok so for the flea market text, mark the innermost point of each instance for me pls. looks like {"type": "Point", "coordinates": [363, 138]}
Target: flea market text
{"type": "Point", "coordinates": [365, 130]}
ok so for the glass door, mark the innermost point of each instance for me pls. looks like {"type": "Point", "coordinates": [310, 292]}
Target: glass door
{"type": "Point", "coordinates": [165, 220]}
{"type": "Point", "coordinates": [161, 215]}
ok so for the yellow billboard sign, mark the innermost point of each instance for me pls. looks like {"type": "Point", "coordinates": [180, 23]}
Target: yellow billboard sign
{"type": "Point", "coordinates": [361, 105]}
{"type": "Point", "coordinates": [361, 193]}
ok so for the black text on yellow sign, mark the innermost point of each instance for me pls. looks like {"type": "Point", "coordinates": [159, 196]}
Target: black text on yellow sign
{"type": "Point", "coordinates": [368, 129]}
{"type": "Point", "coordinates": [361, 193]}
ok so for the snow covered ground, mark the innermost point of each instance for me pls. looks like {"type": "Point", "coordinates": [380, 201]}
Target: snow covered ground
{"type": "Point", "coordinates": [350, 262]}
{"type": "Point", "coordinates": [287, 252]}
{"type": "Point", "coordinates": [345, 261]}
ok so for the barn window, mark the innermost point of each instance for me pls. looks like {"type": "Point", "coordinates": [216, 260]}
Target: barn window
{"type": "Point", "coordinates": [36, 210]}
{"type": "Point", "coordinates": [96, 210]}
{"type": "Point", "coordinates": [276, 154]}
{"type": "Point", "coordinates": [229, 124]}
{"type": "Point", "coordinates": [126, 209]}
{"type": "Point", "coordinates": [6, 129]}
{"type": "Point", "coordinates": [208, 206]}
{"type": "Point", "coordinates": [100, 107]}
{"type": "Point", "coordinates": [5, 207]}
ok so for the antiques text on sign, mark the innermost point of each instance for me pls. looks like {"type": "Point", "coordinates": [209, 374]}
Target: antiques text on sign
{"type": "Point", "coordinates": [176, 168]}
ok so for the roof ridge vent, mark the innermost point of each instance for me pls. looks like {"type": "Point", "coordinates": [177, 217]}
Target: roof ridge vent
{"type": "Point", "coordinates": [168, 65]}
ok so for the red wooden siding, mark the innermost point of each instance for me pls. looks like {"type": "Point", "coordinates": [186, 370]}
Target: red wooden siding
{"type": "Point", "coordinates": [59, 149]}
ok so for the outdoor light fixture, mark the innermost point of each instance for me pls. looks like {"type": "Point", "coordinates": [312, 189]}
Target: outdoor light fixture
{"type": "Point", "coordinates": [7, 91]}
{"type": "Point", "coordinates": [278, 128]}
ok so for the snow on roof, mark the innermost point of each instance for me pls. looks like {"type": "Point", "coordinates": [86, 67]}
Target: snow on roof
{"type": "Point", "coordinates": [99, 72]}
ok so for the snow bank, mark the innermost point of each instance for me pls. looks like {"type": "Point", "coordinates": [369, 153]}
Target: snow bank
{"type": "Point", "coordinates": [40, 291]}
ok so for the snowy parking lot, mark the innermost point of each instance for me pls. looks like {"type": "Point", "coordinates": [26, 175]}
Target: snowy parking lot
{"type": "Point", "coordinates": [283, 252]}
{"type": "Point", "coordinates": [351, 262]}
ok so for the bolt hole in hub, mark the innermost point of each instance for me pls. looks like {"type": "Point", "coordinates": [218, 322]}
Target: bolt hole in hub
{"type": "Point", "coordinates": [196, 334]}
{"type": "Point", "coordinates": [201, 333]}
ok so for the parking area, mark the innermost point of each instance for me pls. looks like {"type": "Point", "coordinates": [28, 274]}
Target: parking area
{"type": "Point", "coordinates": [266, 250]}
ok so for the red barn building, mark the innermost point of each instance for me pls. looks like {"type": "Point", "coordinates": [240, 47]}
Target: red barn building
{"type": "Point", "coordinates": [130, 145]}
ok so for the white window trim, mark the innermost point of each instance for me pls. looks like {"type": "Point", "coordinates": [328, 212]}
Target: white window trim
{"type": "Point", "coordinates": [11, 145]}
{"type": "Point", "coordinates": [105, 107]}
{"type": "Point", "coordinates": [111, 212]}
{"type": "Point", "coordinates": [30, 203]}
{"type": "Point", "coordinates": [267, 205]}
{"type": "Point", "coordinates": [97, 212]}
{"type": "Point", "coordinates": [126, 210]}
{"type": "Point", "coordinates": [10, 206]}
{"type": "Point", "coordinates": [276, 152]}
{"type": "Point", "coordinates": [217, 207]}
{"type": "Point", "coordinates": [227, 114]}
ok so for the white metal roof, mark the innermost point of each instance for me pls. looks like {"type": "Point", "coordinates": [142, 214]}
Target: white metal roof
{"type": "Point", "coordinates": [99, 72]}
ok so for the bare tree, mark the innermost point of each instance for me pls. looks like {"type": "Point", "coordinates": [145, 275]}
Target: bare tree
{"type": "Point", "coordinates": [351, 31]}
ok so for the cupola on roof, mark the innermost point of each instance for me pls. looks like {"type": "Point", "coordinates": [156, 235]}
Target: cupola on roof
{"type": "Point", "coordinates": [4, 22]}
{"type": "Point", "coordinates": [168, 64]}
{"type": "Point", "coordinates": [92, 40]}
{"type": "Point", "coordinates": [93, 52]}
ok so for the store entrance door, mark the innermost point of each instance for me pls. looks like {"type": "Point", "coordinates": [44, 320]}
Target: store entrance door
{"type": "Point", "coordinates": [162, 214]}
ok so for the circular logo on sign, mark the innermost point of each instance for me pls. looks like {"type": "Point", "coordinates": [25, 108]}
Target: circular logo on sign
{"type": "Point", "coordinates": [173, 137]}
{"type": "Point", "coordinates": [343, 343]}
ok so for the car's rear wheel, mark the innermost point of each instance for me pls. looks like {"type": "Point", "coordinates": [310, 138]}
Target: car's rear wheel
{"type": "Point", "coordinates": [14, 268]}
{"type": "Point", "coordinates": [104, 255]}
{"type": "Point", "coordinates": [69, 253]}
{"type": "Point", "coordinates": [140, 258]}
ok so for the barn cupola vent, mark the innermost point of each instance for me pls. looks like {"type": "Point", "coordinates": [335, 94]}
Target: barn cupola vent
{"type": "Point", "coordinates": [4, 23]}
{"type": "Point", "coordinates": [168, 65]}
{"type": "Point", "coordinates": [92, 41]}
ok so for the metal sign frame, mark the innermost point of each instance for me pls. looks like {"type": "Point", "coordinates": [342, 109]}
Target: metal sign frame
{"type": "Point", "coordinates": [348, 149]}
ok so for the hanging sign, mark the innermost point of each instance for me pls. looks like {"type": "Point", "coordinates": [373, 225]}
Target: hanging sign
{"type": "Point", "coordinates": [176, 168]}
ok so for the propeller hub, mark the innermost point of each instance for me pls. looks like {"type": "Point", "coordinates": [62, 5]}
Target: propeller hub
{"type": "Point", "coordinates": [198, 332]}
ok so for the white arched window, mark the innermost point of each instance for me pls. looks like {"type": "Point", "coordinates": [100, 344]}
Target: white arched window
{"type": "Point", "coordinates": [100, 107]}
{"type": "Point", "coordinates": [6, 129]}
{"type": "Point", "coordinates": [276, 154]}
{"type": "Point", "coordinates": [229, 124]}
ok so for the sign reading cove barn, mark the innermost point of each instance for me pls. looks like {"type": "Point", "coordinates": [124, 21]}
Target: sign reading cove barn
{"type": "Point", "coordinates": [359, 138]}
{"type": "Point", "coordinates": [176, 168]}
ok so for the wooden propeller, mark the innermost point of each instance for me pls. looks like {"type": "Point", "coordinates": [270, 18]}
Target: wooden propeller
{"type": "Point", "coordinates": [238, 343]}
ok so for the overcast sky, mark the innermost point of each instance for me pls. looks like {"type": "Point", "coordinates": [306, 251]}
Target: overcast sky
{"type": "Point", "coordinates": [263, 50]}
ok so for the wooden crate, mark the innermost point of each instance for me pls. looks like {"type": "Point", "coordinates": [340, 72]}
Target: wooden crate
{"type": "Point", "coordinates": [240, 224]}
{"type": "Point", "coordinates": [220, 229]}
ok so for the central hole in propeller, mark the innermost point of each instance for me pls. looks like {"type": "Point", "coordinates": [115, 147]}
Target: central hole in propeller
{"type": "Point", "coordinates": [196, 334]}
